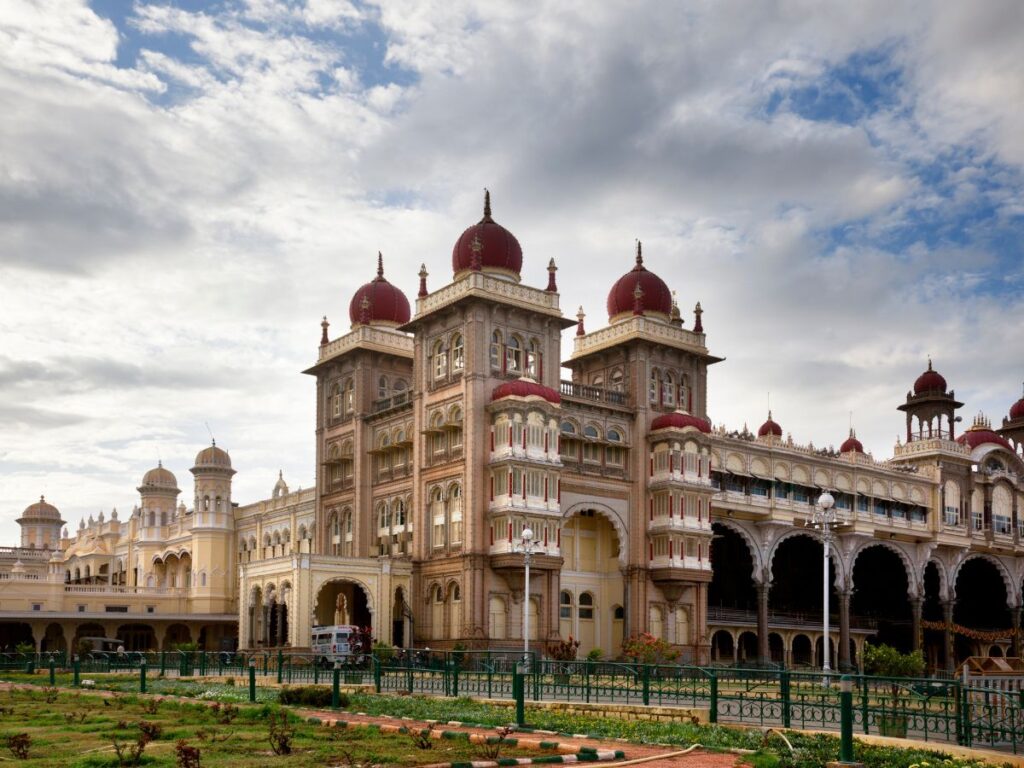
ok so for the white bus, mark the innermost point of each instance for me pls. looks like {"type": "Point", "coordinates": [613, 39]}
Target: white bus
{"type": "Point", "coordinates": [333, 643]}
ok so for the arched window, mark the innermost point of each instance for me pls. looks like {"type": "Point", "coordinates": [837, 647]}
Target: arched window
{"type": "Point", "coordinates": [614, 454]}
{"type": "Point", "coordinates": [336, 400]}
{"type": "Point", "coordinates": [382, 388]}
{"type": "Point", "coordinates": [654, 387]}
{"type": "Point", "coordinates": [514, 355]}
{"type": "Point", "coordinates": [568, 428]}
{"type": "Point", "coordinates": [440, 361]}
{"type": "Point", "coordinates": [684, 392]}
{"type": "Point", "coordinates": [565, 605]}
{"type": "Point", "coordinates": [398, 513]}
{"type": "Point", "coordinates": [496, 351]}
{"type": "Point", "coordinates": [334, 526]}
{"type": "Point", "coordinates": [616, 380]}
{"type": "Point", "coordinates": [437, 519]}
{"type": "Point", "coordinates": [533, 360]}
{"type": "Point", "coordinates": [455, 424]}
{"type": "Point", "coordinates": [591, 446]}
{"type": "Point", "coordinates": [349, 399]}
{"type": "Point", "coordinates": [383, 516]}
{"type": "Point", "coordinates": [498, 611]}
{"type": "Point", "coordinates": [439, 438]}
{"type": "Point", "coordinates": [458, 353]}
{"type": "Point", "coordinates": [586, 608]}
{"type": "Point", "coordinates": [668, 395]}
{"type": "Point", "coordinates": [455, 514]}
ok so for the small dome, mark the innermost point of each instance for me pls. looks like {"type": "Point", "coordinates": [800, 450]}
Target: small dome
{"type": "Point", "coordinates": [212, 456]}
{"type": "Point", "coordinates": [981, 433]}
{"type": "Point", "coordinates": [1017, 410]}
{"type": "Point", "coordinates": [379, 302]}
{"type": "Point", "coordinates": [641, 292]}
{"type": "Point", "coordinates": [769, 428]}
{"type": "Point", "coordinates": [680, 420]}
{"type": "Point", "coordinates": [487, 246]}
{"type": "Point", "coordinates": [852, 444]}
{"type": "Point", "coordinates": [158, 477]}
{"type": "Point", "coordinates": [280, 487]}
{"type": "Point", "coordinates": [525, 387]}
{"type": "Point", "coordinates": [41, 509]}
{"type": "Point", "coordinates": [930, 381]}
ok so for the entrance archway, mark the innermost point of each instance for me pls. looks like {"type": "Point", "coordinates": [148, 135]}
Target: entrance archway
{"type": "Point", "coordinates": [732, 572]}
{"type": "Point", "coordinates": [341, 601]}
{"type": "Point", "coordinates": [880, 593]}
{"type": "Point", "coordinates": [801, 653]}
{"type": "Point", "coordinates": [980, 603]}
{"type": "Point", "coordinates": [401, 615]}
{"type": "Point", "coordinates": [54, 640]}
{"type": "Point", "coordinates": [177, 634]}
{"type": "Point", "coordinates": [137, 637]}
{"type": "Point", "coordinates": [722, 649]}
{"type": "Point", "coordinates": [591, 579]}
{"type": "Point", "coordinates": [13, 634]}
{"type": "Point", "coordinates": [796, 579]}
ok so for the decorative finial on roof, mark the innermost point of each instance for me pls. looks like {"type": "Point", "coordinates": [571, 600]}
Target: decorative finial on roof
{"type": "Point", "coordinates": [552, 287]}
{"type": "Point", "coordinates": [675, 317]}
{"type": "Point", "coordinates": [698, 326]}
{"type": "Point", "coordinates": [42, 498]}
{"type": "Point", "coordinates": [323, 331]}
{"type": "Point", "coordinates": [364, 310]}
{"type": "Point", "coordinates": [487, 204]}
{"type": "Point", "coordinates": [639, 254]}
{"type": "Point", "coordinates": [423, 281]}
{"type": "Point", "coordinates": [638, 297]}
{"type": "Point", "coordinates": [380, 266]}
{"type": "Point", "coordinates": [213, 442]}
{"type": "Point", "coordinates": [929, 362]}
{"type": "Point", "coordinates": [159, 463]}
{"type": "Point", "coordinates": [580, 314]}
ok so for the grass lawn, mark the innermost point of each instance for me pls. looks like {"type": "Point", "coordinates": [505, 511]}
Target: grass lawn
{"type": "Point", "coordinates": [78, 729]}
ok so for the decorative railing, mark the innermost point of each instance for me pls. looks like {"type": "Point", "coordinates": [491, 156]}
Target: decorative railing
{"type": "Point", "coordinates": [594, 394]}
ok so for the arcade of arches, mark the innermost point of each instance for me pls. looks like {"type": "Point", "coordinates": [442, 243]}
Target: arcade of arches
{"type": "Point", "coordinates": [875, 607]}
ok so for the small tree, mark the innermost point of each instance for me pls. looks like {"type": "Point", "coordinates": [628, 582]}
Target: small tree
{"type": "Point", "coordinates": [886, 661]}
{"type": "Point", "coordinates": [648, 649]}
{"type": "Point", "coordinates": [563, 650]}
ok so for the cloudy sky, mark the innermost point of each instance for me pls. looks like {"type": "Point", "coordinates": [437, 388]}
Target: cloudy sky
{"type": "Point", "coordinates": [186, 187]}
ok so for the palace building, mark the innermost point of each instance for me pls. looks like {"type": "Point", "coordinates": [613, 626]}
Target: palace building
{"type": "Point", "coordinates": [445, 428]}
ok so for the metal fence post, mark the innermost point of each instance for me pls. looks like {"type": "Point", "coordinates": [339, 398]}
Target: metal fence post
{"type": "Point", "coordinates": [335, 691]}
{"type": "Point", "coordinates": [864, 703]}
{"type": "Point", "coordinates": [845, 719]}
{"type": "Point", "coordinates": [252, 680]}
{"type": "Point", "coordinates": [519, 692]}
{"type": "Point", "coordinates": [53, 672]}
{"type": "Point", "coordinates": [163, 663]}
{"type": "Point", "coordinates": [646, 685]}
{"type": "Point", "coordinates": [713, 714]}
{"type": "Point", "coordinates": [787, 706]}
{"type": "Point", "coordinates": [77, 666]}
{"type": "Point", "coordinates": [280, 666]}
{"type": "Point", "coordinates": [586, 672]}
{"type": "Point", "coordinates": [142, 675]}
{"type": "Point", "coordinates": [376, 674]}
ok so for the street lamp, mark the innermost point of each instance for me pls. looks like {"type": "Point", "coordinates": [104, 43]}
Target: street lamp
{"type": "Point", "coordinates": [824, 519]}
{"type": "Point", "coordinates": [527, 546]}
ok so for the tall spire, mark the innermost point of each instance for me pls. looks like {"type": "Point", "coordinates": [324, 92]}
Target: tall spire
{"type": "Point", "coordinates": [552, 287]}
{"type": "Point", "coordinates": [423, 281]}
{"type": "Point", "coordinates": [639, 254]}
{"type": "Point", "coordinates": [380, 266]}
{"type": "Point", "coordinates": [579, 321]}
{"type": "Point", "coordinates": [323, 331]}
{"type": "Point", "coordinates": [698, 326]}
{"type": "Point", "coordinates": [487, 204]}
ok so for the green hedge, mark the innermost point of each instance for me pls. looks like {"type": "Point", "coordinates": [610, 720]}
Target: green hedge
{"type": "Point", "coordinates": [309, 696]}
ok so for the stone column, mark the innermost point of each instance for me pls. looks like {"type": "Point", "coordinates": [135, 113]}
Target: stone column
{"type": "Point", "coordinates": [916, 604]}
{"type": "Point", "coordinates": [844, 629]}
{"type": "Point", "coordinates": [947, 615]}
{"type": "Point", "coordinates": [763, 651]}
{"type": "Point", "coordinates": [1015, 646]}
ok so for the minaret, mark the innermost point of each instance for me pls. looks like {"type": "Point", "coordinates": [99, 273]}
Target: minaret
{"type": "Point", "coordinates": [40, 526]}
{"type": "Point", "coordinates": [213, 540]}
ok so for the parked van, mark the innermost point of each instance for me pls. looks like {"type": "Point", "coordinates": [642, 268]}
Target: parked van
{"type": "Point", "coordinates": [334, 643]}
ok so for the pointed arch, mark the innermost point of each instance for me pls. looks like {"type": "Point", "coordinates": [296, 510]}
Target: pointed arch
{"type": "Point", "coordinates": [1012, 593]}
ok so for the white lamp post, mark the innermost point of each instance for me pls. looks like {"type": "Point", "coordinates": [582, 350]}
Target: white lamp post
{"type": "Point", "coordinates": [527, 546]}
{"type": "Point", "coordinates": [824, 519]}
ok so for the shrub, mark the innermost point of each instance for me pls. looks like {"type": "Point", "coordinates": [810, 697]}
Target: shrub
{"type": "Point", "coordinates": [384, 652]}
{"type": "Point", "coordinates": [886, 661]}
{"type": "Point", "coordinates": [25, 649]}
{"type": "Point", "coordinates": [151, 706]}
{"type": "Point", "coordinates": [187, 757]}
{"type": "Point", "coordinates": [50, 695]}
{"type": "Point", "coordinates": [151, 731]}
{"type": "Point", "coordinates": [224, 713]}
{"type": "Point", "coordinates": [563, 650]}
{"type": "Point", "coordinates": [281, 733]}
{"type": "Point", "coordinates": [19, 744]}
{"type": "Point", "coordinates": [595, 655]}
{"type": "Point", "coordinates": [229, 681]}
{"type": "Point", "coordinates": [309, 696]}
{"type": "Point", "coordinates": [491, 748]}
{"type": "Point", "coordinates": [421, 739]}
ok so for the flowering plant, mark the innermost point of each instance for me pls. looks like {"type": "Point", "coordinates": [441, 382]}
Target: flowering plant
{"type": "Point", "coordinates": [563, 650]}
{"type": "Point", "coordinates": [649, 649]}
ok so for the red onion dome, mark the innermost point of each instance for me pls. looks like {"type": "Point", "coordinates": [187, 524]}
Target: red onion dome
{"type": "Point", "coordinates": [769, 428]}
{"type": "Point", "coordinates": [981, 433]}
{"type": "Point", "coordinates": [525, 387]}
{"type": "Point", "coordinates": [930, 381]}
{"type": "Point", "coordinates": [1017, 410]}
{"type": "Point", "coordinates": [639, 292]}
{"type": "Point", "coordinates": [852, 444]}
{"type": "Point", "coordinates": [487, 246]}
{"type": "Point", "coordinates": [680, 420]}
{"type": "Point", "coordinates": [379, 302]}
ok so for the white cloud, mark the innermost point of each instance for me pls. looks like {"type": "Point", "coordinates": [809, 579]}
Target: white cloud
{"type": "Point", "coordinates": [172, 231]}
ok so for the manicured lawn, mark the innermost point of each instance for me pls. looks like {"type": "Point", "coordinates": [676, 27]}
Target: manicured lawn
{"type": "Point", "coordinates": [78, 729]}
